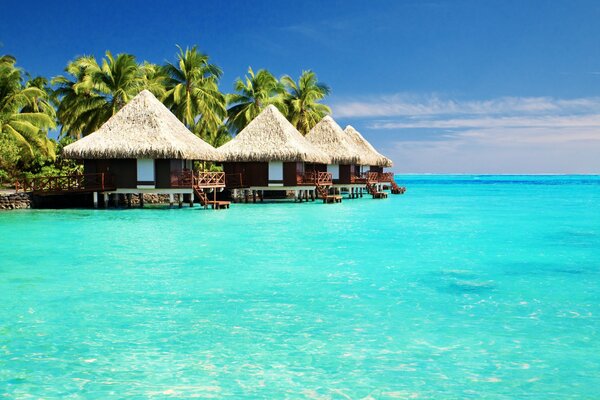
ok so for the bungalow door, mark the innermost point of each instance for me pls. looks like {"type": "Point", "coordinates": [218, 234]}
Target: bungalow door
{"type": "Point", "coordinates": [180, 173]}
{"type": "Point", "coordinates": [101, 167]}
{"type": "Point", "coordinates": [146, 173]}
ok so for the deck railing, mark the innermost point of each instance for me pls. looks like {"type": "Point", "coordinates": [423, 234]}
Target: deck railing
{"type": "Point", "coordinates": [211, 179]}
{"type": "Point", "coordinates": [358, 179]}
{"type": "Point", "coordinates": [315, 178]}
{"type": "Point", "coordinates": [187, 178]}
{"type": "Point", "coordinates": [371, 177]}
{"type": "Point", "coordinates": [67, 183]}
{"type": "Point", "coordinates": [386, 177]}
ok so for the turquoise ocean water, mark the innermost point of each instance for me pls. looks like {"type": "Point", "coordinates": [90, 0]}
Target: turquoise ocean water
{"type": "Point", "coordinates": [465, 287]}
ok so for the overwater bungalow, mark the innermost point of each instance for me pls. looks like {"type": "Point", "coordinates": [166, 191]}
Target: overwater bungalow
{"type": "Point", "coordinates": [373, 164]}
{"type": "Point", "coordinates": [345, 156]}
{"type": "Point", "coordinates": [271, 155]}
{"type": "Point", "coordinates": [141, 149]}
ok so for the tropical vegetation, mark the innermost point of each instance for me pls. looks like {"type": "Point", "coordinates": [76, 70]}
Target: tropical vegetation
{"type": "Point", "coordinates": [39, 115]}
{"type": "Point", "coordinates": [302, 101]}
{"type": "Point", "coordinates": [193, 92]}
{"type": "Point", "coordinates": [251, 96]}
{"type": "Point", "coordinates": [26, 116]}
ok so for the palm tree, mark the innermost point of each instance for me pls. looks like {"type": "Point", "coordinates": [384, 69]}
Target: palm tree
{"type": "Point", "coordinates": [302, 100]}
{"type": "Point", "coordinates": [23, 118]}
{"type": "Point", "coordinates": [253, 94]}
{"type": "Point", "coordinates": [75, 94]}
{"type": "Point", "coordinates": [117, 81]}
{"type": "Point", "coordinates": [7, 60]}
{"type": "Point", "coordinates": [193, 93]}
{"type": "Point", "coordinates": [45, 103]}
{"type": "Point", "coordinates": [216, 137]}
{"type": "Point", "coordinates": [93, 93]}
{"type": "Point", "coordinates": [154, 79]}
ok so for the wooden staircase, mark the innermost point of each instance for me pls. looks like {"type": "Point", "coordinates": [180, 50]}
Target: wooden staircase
{"type": "Point", "coordinates": [397, 189]}
{"type": "Point", "coordinates": [323, 181]}
{"type": "Point", "coordinates": [322, 190]}
{"type": "Point", "coordinates": [209, 180]}
{"type": "Point", "coordinates": [372, 189]}
{"type": "Point", "coordinates": [202, 197]}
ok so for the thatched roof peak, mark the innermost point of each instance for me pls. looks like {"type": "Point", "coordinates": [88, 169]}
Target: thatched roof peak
{"type": "Point", "coordinates": [271, 137]}
{"type": "Point", "coordinates": [143, 128]}
{"type": "Point", "coordinates": [370, 155]}
{"type": "Point", "coordinates": [328, 136]}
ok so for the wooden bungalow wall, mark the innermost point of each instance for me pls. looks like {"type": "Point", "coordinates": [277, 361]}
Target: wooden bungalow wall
{"type": "Point", "coordinates": [346, 173]}
{"type": "Point", "coordinates": [124, 171]}
{"type": "Point", "coordinates": [253, 173]}
{"type": "Point", "coordinates": [291, 170]}
{"type": "Point", "coordinates": [315, 167]}
{"type": "Point", "coordinates": [257, 173]}
{"type": "Point", "coordinates": [163, 171]}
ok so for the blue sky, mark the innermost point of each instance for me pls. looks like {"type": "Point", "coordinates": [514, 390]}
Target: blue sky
{"type": "Point", "coordinates": [440, 86]}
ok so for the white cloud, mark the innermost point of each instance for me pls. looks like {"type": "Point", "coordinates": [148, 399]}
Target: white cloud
{"type": "Point", "coordinates": [501, 120]}
{"type": "Point", "coordinates": [575, 121]}
{"type": "Point", "coordinates": [500, 135]}
{"type": "Point", "coordinates": [467, 156]}
{"type": "Point", "coordinates": [546, 129]}
{"type": "Point", "coordinates": [406, 105]}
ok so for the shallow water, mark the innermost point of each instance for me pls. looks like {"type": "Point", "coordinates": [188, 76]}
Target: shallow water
{"type": "Point", "coordinates": [465, 287]}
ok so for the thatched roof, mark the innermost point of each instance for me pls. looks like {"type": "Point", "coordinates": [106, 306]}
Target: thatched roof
{"type": "Point", "coordinates": [271, 137]}
{"type": "Point", "coordinates": [143, 128]}
{"type": "Point", "coordinates": [329, 137]}
{"type": "Point", "coordinates": [370, 156]}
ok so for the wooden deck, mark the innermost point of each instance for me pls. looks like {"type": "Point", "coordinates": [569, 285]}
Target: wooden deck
{"type": "Point", "coordinates": [371, 177]}
{"type": "Point", "coordinates": [322, 182]}
{"type": "Point", "coordinates": [210, 179]}
{"type": "Point", "coordinates": [335, 198]}
{"type": "Point", "coordinates": [218, 204]}
{"type": "Point", "coordinates": [204, 183]}
{"type": "Point", "coordinates": [199, 182]}
{"type": "Point", "coordinates": [373, 190]}
{"type": "Point", "coordinates": [387, 177]}
{"type": "Point", "coordinates": [202, 179]}
{"type": "Point", "coordinates": [58, 185]}
{"type": "Point", "coordinates": [315, 178]}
